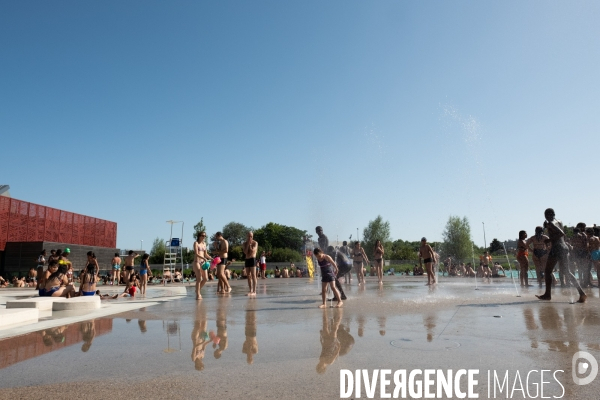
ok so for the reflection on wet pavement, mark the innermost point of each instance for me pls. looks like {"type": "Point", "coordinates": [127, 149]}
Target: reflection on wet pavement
{"type": "Point", "coordinates": [22, 348]}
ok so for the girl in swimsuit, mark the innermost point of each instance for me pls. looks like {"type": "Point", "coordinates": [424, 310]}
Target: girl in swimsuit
{"type": "Point", "coordinates": [88, 278]}
{"type": "Point", "coordinates": [358, 257]}
{"type": "Point", "coordinates": [200, 256]}
{"type": "Point", "coordinates": [328, 274]}
{"type": "Point", "coordinates": [379, 260]}
{"type": "Point", "coordinates": [144, 272]}
{"type": "Point", "coordinates": [540, 253]}
{"type": "Point", "coordinates": [523, 259]}
{"type": "Point", "coordinates": [116, 268]}
{"type": "Point", "coordinates": [57, 284]}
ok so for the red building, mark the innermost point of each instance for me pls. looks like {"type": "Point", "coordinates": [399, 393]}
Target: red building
{"type": "Point", "coordinates": [27, 228]}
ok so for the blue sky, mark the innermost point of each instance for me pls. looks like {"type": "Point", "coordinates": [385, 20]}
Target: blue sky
{"type": "Point", "coordinates": [303, 113]}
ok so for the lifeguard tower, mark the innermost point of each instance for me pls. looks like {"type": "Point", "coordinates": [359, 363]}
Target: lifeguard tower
{"type": "Point", "coordinates": [173, 255]}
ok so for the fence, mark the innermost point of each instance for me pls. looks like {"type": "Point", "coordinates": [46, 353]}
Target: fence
{"type": "Point", "coordinates": [21, 221]}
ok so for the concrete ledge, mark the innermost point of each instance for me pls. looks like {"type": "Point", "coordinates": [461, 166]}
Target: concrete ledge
{"type": "Point", "coordinates": [9, 318]}
{"type": "Point", "coordinates": [77, 303]}
{"type": "Point", "coordinates": [41, 303]}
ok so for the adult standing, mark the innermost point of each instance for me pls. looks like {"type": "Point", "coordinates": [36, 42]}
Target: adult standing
{"type": "Point", "coordinates": [378, 256]}
{"type": "Point", "coordinates": [540, 252]}
{"type": "Point", "coordinates": [250, 247]}
{"type": "Point", "coordinates": [343, 268]}
{"type": "Point", "coordinates": [345, 250]}
{"type": "Point", "coordinates": [129, 263]}
{"type": "Point", "coordinates": [559, 253]}
{"type": "Point", "coordinates": [145, 273]}
{"type": "Point", "coordinates": [594, 243]}
{"type": "Point", "coordinates": [358, 258]}
{"type": "Point", "coordinates": [200, 257]}
{"type": "Point", "coordinates": [221, 249]}
{"type": "Point", "coordinates": [116, 268]}
{"type": "Point", "coordinates": [323, 241]}
{"type": "Point", "coordinates": [581, 254]}
{"type": "Point", "coordinates": [428, 256]}
{"type": "Point", "coordinates": [486, 259]}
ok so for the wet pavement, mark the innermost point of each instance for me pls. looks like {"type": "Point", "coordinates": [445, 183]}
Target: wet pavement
{"type": "Point", "coordinates": [280, 345]}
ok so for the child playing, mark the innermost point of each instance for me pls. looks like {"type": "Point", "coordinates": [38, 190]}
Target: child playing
{"type": "Point", "coordinates": [131, 289]}
{"type": "Point", "coordinates": [328, 276]}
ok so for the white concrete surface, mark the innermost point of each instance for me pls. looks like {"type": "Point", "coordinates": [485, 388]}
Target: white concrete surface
{"type": "Point", "coordinates": [77, 303]}
{"type": "Point", "coordinates": [41, 303]}
{"type": "Point", "coordinates": [9, 318]}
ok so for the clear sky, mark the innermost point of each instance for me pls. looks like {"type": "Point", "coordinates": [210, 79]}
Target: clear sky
{"type": "Point", "coordinates": [303, 113]}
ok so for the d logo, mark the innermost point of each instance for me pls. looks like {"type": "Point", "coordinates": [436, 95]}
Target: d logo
{"type": "Point", "coordinates": [581, 367]}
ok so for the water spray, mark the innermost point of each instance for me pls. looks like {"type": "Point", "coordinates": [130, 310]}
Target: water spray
{"type": "Point", "coordinates": [510, 269]}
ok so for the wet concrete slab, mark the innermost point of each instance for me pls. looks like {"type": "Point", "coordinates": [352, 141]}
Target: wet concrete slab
{"type": "Point", "coordinates": [280, 345]}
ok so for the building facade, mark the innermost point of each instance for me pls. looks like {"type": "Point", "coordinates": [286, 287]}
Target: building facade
{"type": "Point", "coordinates": [27, 228]}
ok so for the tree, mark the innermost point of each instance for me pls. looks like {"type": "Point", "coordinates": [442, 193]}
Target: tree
{"type": "Point", "coordinates": [403, 250]}
{"type": "Point", "coordinates": [188, 255]}
{"type": "Point", "coordinates": [157, 253]}
{"type": "Point", "coordinates": [199, 227]}
{"type": "Point", "coordinates": [495, 245]}
{"type": "Point", "coordinates": [275, 236]}
{"type": "Point", "coordinates": [235, 233]}
{"type": "Point", "coordinates": [457, 238]}
{"type": "Point", "coordinates": [378, 229]}
{"type": "Point", "coordinates": [285, 255]}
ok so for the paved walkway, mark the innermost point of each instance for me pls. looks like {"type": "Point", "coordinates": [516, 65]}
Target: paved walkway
{"type": "Point", "coordinates": [280, 345]}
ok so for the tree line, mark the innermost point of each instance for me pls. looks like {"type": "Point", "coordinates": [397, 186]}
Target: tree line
{"type": "Point", "coordinates": [285, 243]}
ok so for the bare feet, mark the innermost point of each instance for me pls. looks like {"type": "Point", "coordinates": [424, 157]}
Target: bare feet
{"type": "Point", "coordinates": [339, 304]}
{"type": "Point", "coordinates": [198, 297]}
{"type": "Point", "coordinates": [322, 306]}
{"type": "Point", "coordinates": [543, 297]}
{"type": "Point", "coordinates": [582, 298]}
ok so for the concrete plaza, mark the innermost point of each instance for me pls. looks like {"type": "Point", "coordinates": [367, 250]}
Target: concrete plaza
{"type": "Point", "coordinates": [280, 345]}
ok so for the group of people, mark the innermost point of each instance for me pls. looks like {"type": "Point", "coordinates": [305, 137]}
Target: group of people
{"type": "Point", "coordinates": [55, 278]}
{"type": "Point", "coordinates": [549, 250]}
{"type": "Point", "coordinates": [553, 250]}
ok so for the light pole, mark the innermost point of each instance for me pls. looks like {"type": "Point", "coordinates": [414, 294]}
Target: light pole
{"type": "Point", "coordinates": [141, 245]}
{"type": "Point", "coordinates": [484, 242]}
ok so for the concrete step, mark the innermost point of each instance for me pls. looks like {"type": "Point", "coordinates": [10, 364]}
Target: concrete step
{"type": "Point", "coordinates": [41, 303]}
{"type": "Point", "coordinates": [77, 303]}
{"type": "Point", "coordinates": [10, 318]}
